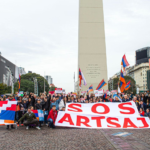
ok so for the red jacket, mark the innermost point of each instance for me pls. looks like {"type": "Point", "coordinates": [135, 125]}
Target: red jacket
{"type": "Point", "coordinates": [142, 113]}
{"type": "Point", "coordinates": [53, 115]}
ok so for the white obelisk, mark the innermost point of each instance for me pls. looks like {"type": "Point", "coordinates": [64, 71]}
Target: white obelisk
{"type": "Point", "coordinates": [92, 48]}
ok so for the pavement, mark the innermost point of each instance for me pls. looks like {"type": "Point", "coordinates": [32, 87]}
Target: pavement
{"type": "Point", "coordinates": [73, 139]}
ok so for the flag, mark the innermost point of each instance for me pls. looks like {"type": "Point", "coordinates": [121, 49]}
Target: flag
{"type": "Point", "coordinates": [19, 83]}
{"type": "Point", "coordinates": [81, 77]}
{"type": "Point", "coordinates": [39, 114]}
{"type": "Point", "coordinates": [124, 62]}
{"type": "Point", "coordinates": [105, 95]}
{"type": "Point", "coordinates": [119, 89]}
{"type": "Point", "coordinates": [127, 86]}
{"type": "Point", "coordinates": [122, 82]}
{"type": "Point", "coordinates": [115, 95]}
{"type": "Point", "coordinates": [102, 84]}
{"type": "Point", "coordinates": [7, 112]}
{"type": "Point", "coordinates": [90, 89]}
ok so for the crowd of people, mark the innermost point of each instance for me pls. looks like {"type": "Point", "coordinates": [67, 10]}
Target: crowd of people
{"type": "Point", "coordinates": [52, 103]}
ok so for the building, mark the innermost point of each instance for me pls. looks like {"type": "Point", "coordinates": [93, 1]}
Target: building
{"type": "Point", "coordinates": [130, 72]}
{"type": "Point", "coordinates": [19, 71]}
{"type": "Point", "coordinates": [140, 76]}
{"type": "Point", "coordinates": [7, 71]}
{"type": "Point", "coordinates": [92, 49]}
{"type": "Point", "coordinates": [29, 71]}
{"type": "Point", "coordinates": [49, 79]}
{"type": "Point", "coordinates": [142, 55]}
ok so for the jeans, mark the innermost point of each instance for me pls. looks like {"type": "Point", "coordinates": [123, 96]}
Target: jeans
{"type": "Point", "coordinates": [51, 124]}
{"type": "Point", "coordinates": [45, 118]}
{"type": "Point", "coordinates": [34, 121]}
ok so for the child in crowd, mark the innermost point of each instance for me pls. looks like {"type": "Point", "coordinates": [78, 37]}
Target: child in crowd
{"type": "Point", "coordinates": [52, 117]}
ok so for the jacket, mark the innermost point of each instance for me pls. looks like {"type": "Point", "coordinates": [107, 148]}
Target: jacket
{"type": "Point", "coordinates": [144, 107]}
{"type": "Point", "coordinates": [32, 101]}
{"type": "Point", "coordinates": [29, 117]}
{"type": "Point", "coordinates": [53, 115]}
{"type": "Point", "coordinates": [125, 100]}
{"type": "Point", "coordinates": [142, 113]}
{"type": "Point", "coordinates": [56, 103]}
{"type": "Point", "coordinates": [147, 114]}
{"type": "Point", "coordinates": [39, 106]}
{"type": "Point", "coordinates": [45, 106]}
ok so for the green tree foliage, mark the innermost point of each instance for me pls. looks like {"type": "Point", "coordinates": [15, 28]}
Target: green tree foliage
{"type": "Point", "coordinates": [27, 83]}
{"type": "Point", "coordinates": [4, 89]}
{"type": "Point", "coordinates": [127, 79]}
{"type": "Point", "coordinates": [52, 88]}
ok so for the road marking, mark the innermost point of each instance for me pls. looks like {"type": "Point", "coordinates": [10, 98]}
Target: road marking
{"type": "Point", "coordinates": [124, 134]}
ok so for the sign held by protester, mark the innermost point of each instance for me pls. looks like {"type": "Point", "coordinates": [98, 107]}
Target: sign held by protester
{"type": "Point", "coordinates": [20, 93]}
{"type": "Point", "coordinates": [58, 90]}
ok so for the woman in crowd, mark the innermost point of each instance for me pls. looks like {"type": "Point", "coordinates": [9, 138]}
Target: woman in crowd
{"type": "Point", "coordinates": [141, 112]}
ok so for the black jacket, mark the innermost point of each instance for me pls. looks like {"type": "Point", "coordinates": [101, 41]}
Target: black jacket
{"type": "Point", "coordinates": [144, 107]}
{"type": "Point", "coordinates": [32, 101]}
{"type": "Point", "coordinates": [45, 106]}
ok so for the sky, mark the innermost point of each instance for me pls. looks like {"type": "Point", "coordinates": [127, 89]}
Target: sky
{"type": "Point", "coordinates": [42, 36]}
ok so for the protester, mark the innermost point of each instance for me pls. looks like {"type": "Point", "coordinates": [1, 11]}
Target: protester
{"type": "Point", "coordinates": [147, 113]}
{"type": "Point", "coordinates": [55, 101]}
{"type": "Point", "coordinates": [141, 112]}
{"type": "Point", "coordinates": [51, 103]}
{"type": "Point", "coordinates": [125, 99]}
{"type": "Point", "coordinates": [52, 117]}
{"type": "Point", "coordinates": [142, 105]}
{"type": "Point", "coordinates": [30, 119]}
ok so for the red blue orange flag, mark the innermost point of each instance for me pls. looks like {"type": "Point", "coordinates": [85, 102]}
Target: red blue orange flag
{"type": "Point", "coordinates": [19, 83]}
{"type": "Point", "coordinates": [124, 62]}
{"type": "Point", "coordinates": [101, 84]}
{"type": "Point", "coordinates": [127, 86]}
{"type": "Point", "coordinates": [90, 89]}
{"type": "Point", "coordinates": [105, 95]}
{"type": "Point", "coordinates": [122, 82]}
{"type": "Point", "coordinates": [81, 77]}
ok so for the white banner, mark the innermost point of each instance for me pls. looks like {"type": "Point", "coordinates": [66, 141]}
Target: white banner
{"type": "Point", "coordinates": [70, 119]}
{"type": "Point", "coordinates": [58, 90]}
{"type": "Point", "coordinates": [98, 93]}
{"type": "Point", "coordinates": [105, 109]}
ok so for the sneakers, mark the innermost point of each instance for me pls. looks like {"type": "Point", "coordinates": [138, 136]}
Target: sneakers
{"type": "Point", "coordinates": [27, 128]}
{"type": "Point", "coordinates": [38, 128]}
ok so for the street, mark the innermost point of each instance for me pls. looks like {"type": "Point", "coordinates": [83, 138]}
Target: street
{"type": "Point", "coordinates": [73, 138]}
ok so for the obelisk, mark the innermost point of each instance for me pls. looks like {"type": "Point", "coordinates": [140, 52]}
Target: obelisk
{"type": "Point", "coordinates": [92, 48]}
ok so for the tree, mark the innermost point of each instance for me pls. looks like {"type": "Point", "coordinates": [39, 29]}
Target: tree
{"type": "Point", "coordinates": [27, 83]}
{"type": "Point", "coordinates": [52, 88]}
{"type": "Point", "coordinates": [127, 79]}
{"type": "Point", "coordinates": [3, 88]}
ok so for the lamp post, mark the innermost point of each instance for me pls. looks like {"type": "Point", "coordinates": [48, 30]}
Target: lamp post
{"type": "Point", "coordinates": [35, 86]}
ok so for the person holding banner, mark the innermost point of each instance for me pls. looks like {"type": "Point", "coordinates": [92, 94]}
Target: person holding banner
{"type": "Point", "coordinates": [52, 117]}
{"type": "Point", "coordinates": [125, 99]}
{"type": "Point", "coordinates": [141, 112]}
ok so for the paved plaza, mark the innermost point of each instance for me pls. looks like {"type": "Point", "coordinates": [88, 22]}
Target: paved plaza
{"type": "Point", "coordinates": [73, 138]}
